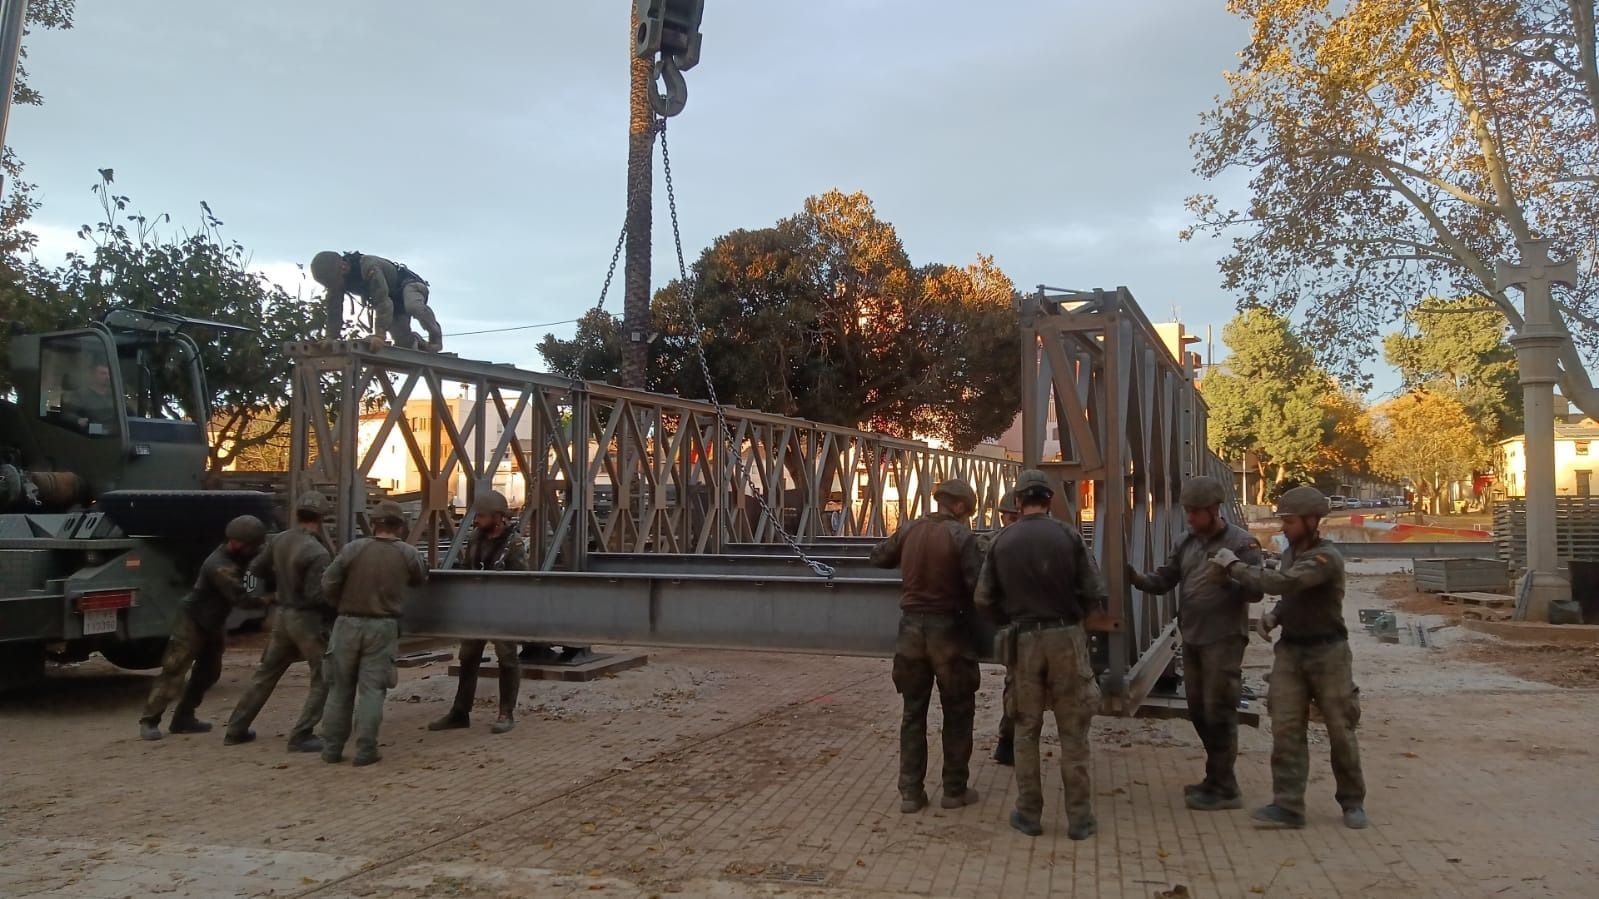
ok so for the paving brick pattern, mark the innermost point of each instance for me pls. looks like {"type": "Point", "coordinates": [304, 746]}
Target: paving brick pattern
{"type": "Point", "coordinates": [740, 774]}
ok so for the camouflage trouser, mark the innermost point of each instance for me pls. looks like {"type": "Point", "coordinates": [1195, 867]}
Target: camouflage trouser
{"type": "Point", "coordinates": [472, 661]}
{"type": "Point", "coordinates": [360, 667]}
{"type": "Point", "coordinates": [1322, 673]}
{"type": "Point", "coordinates": [190, 646]}
{"type": "Point", "coordinates": [935, 648]}
{"type": "Point", "coordinates": [297, 635]}
{"type": "Point", "coordinates": [1053, 672]}
{"type": "Point", "coordinates": [1213, 680]}
{"type": "Point", "coordinates": [1007, 718]}
{"type": "Point", "coordinates": [415, 295]}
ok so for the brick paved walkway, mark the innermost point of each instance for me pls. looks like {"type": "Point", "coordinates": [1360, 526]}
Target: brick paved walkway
{"type": "Point", "coordinates": [741, 774]}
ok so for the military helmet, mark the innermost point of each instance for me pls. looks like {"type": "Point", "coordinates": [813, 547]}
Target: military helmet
{"type": "Point", "coordinates": [389, 511]}
{"type": "Point", "coordinates": [1035, 482]}
{"type": "Point", "coordinates": [957, 489]}
{"type": "Point", "coordinates": [491, 501]}
{"type": "Point", "coordinates": [314, 502]}
{"type": "Point", "coordinates": [1007, 506]}
{"type": "Point", "coordinates": [1201, 492]}
{"type": "Point", "coordinates": [1303, 501]}
{"type": "Point", "coordinates": [325, 269]}
{"type": "Point", "coordinates": [246, 529]}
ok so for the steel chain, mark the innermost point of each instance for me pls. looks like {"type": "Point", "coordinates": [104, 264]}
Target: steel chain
{"type": "Point", "coordinates": [821, 569]}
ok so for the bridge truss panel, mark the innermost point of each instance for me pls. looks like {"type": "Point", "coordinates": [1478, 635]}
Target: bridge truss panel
{"type": "Point", "coordinates": [1130, 425]}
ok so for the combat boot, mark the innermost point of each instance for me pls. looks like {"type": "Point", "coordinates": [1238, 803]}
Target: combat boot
{"type": "Point", "coordinates": [312, 743]}
{"type": "Point", "coordinates": [1276, 814]}
{"type": "Point", "coordinates": [910, 805]}
{"type": "Point", "coordinates": [232, 739]}
{"type": "Point", "coordinates": [1082, 830]}
{"type": "Point", "coordinates": [1208, 801]}
{"type": "Point", "coordinates": [149, 730]}
{"type": "Point", "coordinates": [189, 725]}
{"type": "Point", "coordinates": [502, 724]}
{"type": "Point", "coordinates": [362, 759]}
{"type": "Point", "coordinates": [1005, 752]}
{"type": "Point", "coordinates": [1031, 828]}
{"type": "Point", "coordinates": [452, 720]}
{"type": "Point", "coordinates": [959, 800]}
{"type": "Point", "coordinates": [1355, 818]}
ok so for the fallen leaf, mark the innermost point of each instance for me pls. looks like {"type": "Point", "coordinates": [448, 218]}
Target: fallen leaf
{"type": "Point", "coordinates": [589, 827]}
{"type": "Point", "coordinates": [1161, 853]}
{"type": "Point", "coordinates": [1412, 755]}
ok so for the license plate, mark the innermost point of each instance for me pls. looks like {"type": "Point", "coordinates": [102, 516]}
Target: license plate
{"type": "Point", "coordinates": [99, 621]}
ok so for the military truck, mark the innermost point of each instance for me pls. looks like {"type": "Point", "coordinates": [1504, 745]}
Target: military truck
{"type": "Point", "coordinates": [103, 522]}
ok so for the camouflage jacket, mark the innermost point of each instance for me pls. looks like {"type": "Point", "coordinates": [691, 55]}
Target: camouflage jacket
{"type": "Point", "coordinates": [1213, 605]}
{"type": "Point", "coordinates": [369, 576]}
{"type": "Point", "coordinates": [218, 589]}
{"type": "Point", "coordinates": [1310, 581]}
{"type": "Point", "coordinates": [1039, 569]}
{"type": "Point", "coordinates": [291, 567]}
{"type": "Point", "coordinates": [506, 552]}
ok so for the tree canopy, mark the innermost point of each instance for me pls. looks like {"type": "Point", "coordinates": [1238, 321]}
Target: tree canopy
{"type": "Point", "coordinates": [1426, 438]}
{"type": "Point", "coordinates": [1396, 146]}
{"type": "Point", "coordinates": [823, 316]}
{"type": "Point", "coordinates": [1456, 348]}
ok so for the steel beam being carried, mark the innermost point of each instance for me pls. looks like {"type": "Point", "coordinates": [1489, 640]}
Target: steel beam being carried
{"type": "Point", "coordinates": [1111, 411]}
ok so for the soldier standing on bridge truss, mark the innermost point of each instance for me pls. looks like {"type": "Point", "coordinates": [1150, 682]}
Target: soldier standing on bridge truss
{"type": "Point", "coordinates": [1005, 746]}
{"type": "Point", "coordinates": [1311, 662]}
{"type": "Point", "coordinates": [199, 636]}
{"type": "Point", "coordinates": [493, 546]}
{"type": "Point", "coordinates": [395, 293]}
{"type": "Point", "coordinates": [1214, 621]}
{"type": "Point", "coordinates": [1040, 578]}
{"type": "Point", "coordinates": [939, 561]}
{"type": "Point", "coordinates": [291, 568]}
{"type": "Point", "coordinates": [366, 582]}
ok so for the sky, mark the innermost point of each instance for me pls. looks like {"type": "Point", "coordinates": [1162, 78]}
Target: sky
{"type": "Point", "coordinates": [484, 144]}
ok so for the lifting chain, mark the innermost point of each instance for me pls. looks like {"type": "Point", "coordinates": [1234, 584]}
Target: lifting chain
{"type": "Point", "coordinates": [821, 569]}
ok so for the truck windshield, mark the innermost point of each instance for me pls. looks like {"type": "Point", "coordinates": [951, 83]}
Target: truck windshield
{"type": "Point", "coordinates": [76, 387]}
{"type": "Point", "coordinates": [161, 380]}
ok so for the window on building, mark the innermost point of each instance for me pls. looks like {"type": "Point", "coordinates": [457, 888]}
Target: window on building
{"type": "Point", "coordinates": [1582, 447]}
{"type": "Point", "coordinates": [1584, 483]}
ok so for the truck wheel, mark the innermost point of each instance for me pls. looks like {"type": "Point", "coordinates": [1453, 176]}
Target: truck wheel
{"type": "Point", "coordinates": [21, 665]}
{"type": "Point", "coordinates": [136, 655]}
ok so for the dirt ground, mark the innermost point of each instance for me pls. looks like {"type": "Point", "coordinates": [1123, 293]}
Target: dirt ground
{"type": "Point", "coordinates": [742, 774]}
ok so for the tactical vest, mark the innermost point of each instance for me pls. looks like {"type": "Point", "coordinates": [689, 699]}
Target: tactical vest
{"type": "Point", "coordinates": [356, 284]}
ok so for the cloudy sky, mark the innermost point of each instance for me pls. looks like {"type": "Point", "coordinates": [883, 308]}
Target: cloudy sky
{"type": "Point", "coordinates": [484, 143]}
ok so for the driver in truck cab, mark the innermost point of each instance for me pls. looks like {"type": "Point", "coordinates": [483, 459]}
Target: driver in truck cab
{"type": "Point", "coordinates": [93, 407]}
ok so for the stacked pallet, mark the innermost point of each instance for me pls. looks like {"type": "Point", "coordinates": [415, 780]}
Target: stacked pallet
{"type": "Point", "coordinates": [1461, 575]}
{"type": "Point", "coordinates": [1576, 530]}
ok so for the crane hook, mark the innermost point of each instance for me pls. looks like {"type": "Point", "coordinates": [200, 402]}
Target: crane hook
{"type": "Point", "coordinates": [672, 94]}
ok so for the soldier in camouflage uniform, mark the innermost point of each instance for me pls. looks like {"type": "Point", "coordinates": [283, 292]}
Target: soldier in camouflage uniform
{"type": "Point", "coordinates": [1005, 746]}
{"type": "Point", "coordinates": [396, 294]}
{"type": "Point", "coordinates": [366, 582]}
{"type": "Point", "coordinates": [199, 636]}
{"type": "Point", "coordinates": [493, 546]}
{"type": "Point", "coordinates": [1040, 579]}
{"type": "Point", "coordinates": [1214, 621]}
{"type": "Point", "coordinates": [938, 560]}
{"type": "Point", "coordinates": [1312, 662]}
{"type": "Point", "coordinates": [291, 568]}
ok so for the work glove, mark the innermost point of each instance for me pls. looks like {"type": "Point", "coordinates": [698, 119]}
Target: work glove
{"type": "Point", "coordinates": [1266, 624]}
{"type": "Point", "coordinates": [1224, 558]}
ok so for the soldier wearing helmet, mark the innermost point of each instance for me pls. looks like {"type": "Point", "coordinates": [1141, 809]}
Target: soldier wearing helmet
{"type": "Point", "coordinates": [1213, 617]}
{"type": "Point", "coordinates": [938, 561]}
{"type": "Point", "coordinates": [1005, 745]}
{"type": "Point", "coordinates": [493, 545]}
{"type": "Point", "coordinates": [366, 582]}
{"type": "Point", "coordinates": [193, 660]}
{"type": "Point", "coordinates": [291, 570]}
{"type": "Point", "coordinates": [1040, 580]}
{"type": "Point", "coordinates": [396, 294]}
{"type": "Point", "coordinates": [1311, 661]}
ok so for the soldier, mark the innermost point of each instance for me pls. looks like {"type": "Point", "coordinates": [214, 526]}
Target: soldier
{"type": "Point", "coordinates": [1311, 661]}
{"type": "Point", "coordinates": [938, 560]}
{"type": "Point", "coordinates": [1039, 577]}
{"type": "Point", "coordinates": [395, 293]}
{"type": "Point", "coordinates": [1214, 620]}
{"type": "Point", "coordinates": [1005, 746]}
{"type": "Point", "coordinates": [493, 546]}
{"type": "Point", "coordinates": [199, 636]}
{"type": "Point", "coordinates": [292, 568]}
{"type": "Point", "coordinates": [366, 582]}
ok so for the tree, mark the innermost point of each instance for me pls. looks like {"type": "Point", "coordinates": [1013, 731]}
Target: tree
{"type": "Point", "coordinates": [822, 316]}
{"type": "Point", "coordinates": [200, 275]}
{"type": "Point", "coordinates": [1427, 439]}
{"type": "Point", "coordinates": [1396, 145]}
{"type": "Point", "coordinates": [640, 159]}
{"type": "Point", "coordinates": [1265, 399]}
{"type": "Point", "coordinates": [1345, 435]}
{"type": "Point", "coordinates": [1457, 348]}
